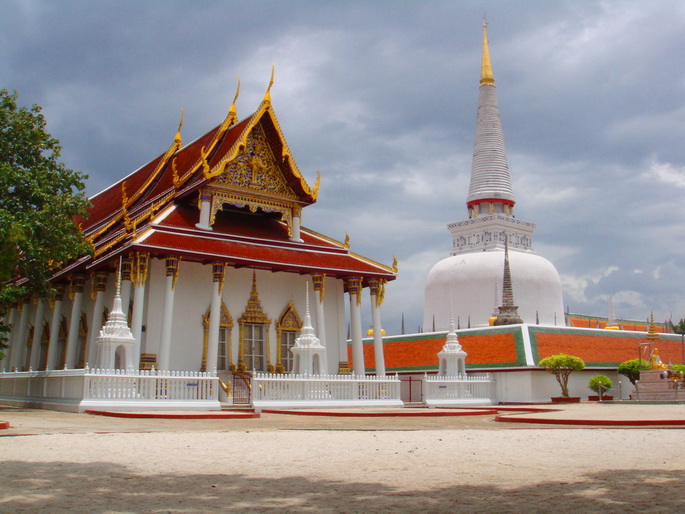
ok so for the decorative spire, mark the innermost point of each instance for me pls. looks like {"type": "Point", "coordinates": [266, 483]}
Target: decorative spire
{"type": "Point", "coordinates": [486, 77]}
{"type": "Point", "coordinates": [307, 346]}
{"type": "Point", "coordinates": [452, 342]}
{"type": "Point", "coordinates": [177, 139]}
{"type": "Point", "coordinates": [652, 333]}
{"type": "Point", "coordinates": [452, 357]}
{"type": "Point", "coordinates": [267, 95]}
{"type": "Point", "coordinates": [611, 320]}
{"type": "Point", "coordinates": [490, 182]}
{"type": "Point", "coordinates": [114, 333]}
{"type": "Point", "coordinates": [508, 312]}
{"type": "Point", "coordinates": [232, 112]}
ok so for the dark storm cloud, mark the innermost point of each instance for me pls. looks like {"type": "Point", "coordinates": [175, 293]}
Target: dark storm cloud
{"type": "Point", "coordinates": [381, 98]}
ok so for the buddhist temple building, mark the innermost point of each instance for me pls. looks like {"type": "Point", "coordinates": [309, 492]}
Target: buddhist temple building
{"type": "Point", "coordinates": [215, 265]}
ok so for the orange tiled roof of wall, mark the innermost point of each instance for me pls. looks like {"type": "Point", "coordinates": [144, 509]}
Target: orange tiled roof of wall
{"type": "Point", "coordinates": [498, 348]}
{"type": "Point", "coordinates": [603, 349]}
{"type": "Point", "coordinates": [633, 326]}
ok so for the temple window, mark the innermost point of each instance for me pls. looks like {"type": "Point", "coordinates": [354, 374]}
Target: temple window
{"type": "Point", "coordinates": [44, 342]}
{"type": "Point", "coordinates": [29, 347]}
{"type": "Point", "coordinates": [222, 352]}
{"type": "Point", "coordinates": [287, 330]}
{"type": "Point", "coordinates": [253, 350]}
{"type": "Point", "coordinates": [224, 361]}
{"type": "Point", "coordinates": [81, 342]}
{"type": "Point", "coordinates": [253, 346]}
{"type": "Point", "coordinates": [61, 344]}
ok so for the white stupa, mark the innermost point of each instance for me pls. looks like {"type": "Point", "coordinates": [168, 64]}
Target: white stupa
{"type": "Point", "coordinates": [476, 265]}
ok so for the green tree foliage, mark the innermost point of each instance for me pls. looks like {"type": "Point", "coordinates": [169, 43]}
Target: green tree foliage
{"type": "Point", "coordinates": [39, 200]}
{"type": "Point", "coordinates": [632, 368]}
{"type": "Point", "coordinates": [561, 366]}
{"type": "Point", "coordinates": [679, 328]}
{"type": "Point", "coordinates": [600, 384]}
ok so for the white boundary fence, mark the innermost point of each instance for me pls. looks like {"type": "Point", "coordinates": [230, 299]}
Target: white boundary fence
{"type": "Point", "coordinates": [471, 389]}
{"type": "Point", "coordinates": [82, 389]}
{"type": "Point", "coordinates": [324, 391]}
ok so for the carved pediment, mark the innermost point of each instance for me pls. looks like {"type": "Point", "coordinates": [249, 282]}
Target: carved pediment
{"type": "Point", "coordinates": [255, 170]}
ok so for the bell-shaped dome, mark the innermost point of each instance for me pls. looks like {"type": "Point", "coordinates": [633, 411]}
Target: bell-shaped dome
{"type": "Point", "coordinates": [469, 285]}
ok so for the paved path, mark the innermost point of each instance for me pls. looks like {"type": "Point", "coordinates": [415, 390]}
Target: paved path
{"type": "Point", "coordinates": [35, 421]}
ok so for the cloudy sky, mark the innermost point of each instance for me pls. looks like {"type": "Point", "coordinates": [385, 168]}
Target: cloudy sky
{"type": "Point", "coordinates": [381, 98]}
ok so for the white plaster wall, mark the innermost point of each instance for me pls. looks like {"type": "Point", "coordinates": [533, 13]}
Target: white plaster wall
{"type": "Point", "coordinates": [154, 298]}
{"type": "Point", "coordinates": [193, 298]}
{"type": "Point", "coordinates": [539, 386]}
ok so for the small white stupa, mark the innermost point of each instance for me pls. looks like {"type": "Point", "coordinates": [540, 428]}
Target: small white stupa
{"type": "Point", "coordinates": [309, 355]}
{"type": "Point", "coordinates": [452, 357]}
{"type": "Point", "coordinates": [115, 344]}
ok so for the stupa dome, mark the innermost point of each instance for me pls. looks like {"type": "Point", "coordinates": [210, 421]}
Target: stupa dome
{"type": "Point", "coordinates": [469, 285]}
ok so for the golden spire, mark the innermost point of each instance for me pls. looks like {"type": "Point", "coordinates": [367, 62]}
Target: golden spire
{"type": "Point", "coordinates": [652, 333]}
{"type": "Point", "coordinates": [267, 95]}
{"type": "Point", "coordinates": [486, 78]}
{"type": "Point", "coordinates": [232, 112]}
{"type": "Point", "coordinates": [177, 139]}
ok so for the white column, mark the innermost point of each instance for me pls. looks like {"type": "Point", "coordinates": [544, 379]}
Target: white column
{"type": "Point", "coordinates": [205, 211]}
{"type": "Point", "coordinates": [96, 324]}
{"type": "Point", "coordinates": [19, 343]}
{"type": "Point", "coordinates": [126, 265]}
{"type": "Point", "coordinates": [11, 320]}
{"type": "Point", "coordinates": [37, 334]}
{"type": "Point", "coordinates": [296, 229]}
{"type": "Point", "coordinates": [54, 328]}
{"type": "Point", "coordinates": [319, 291]}
{"type": "Point", "coordinates": [168, 313]}
{"type": "Point", "coordinates": [139, 278]}
{"type": "Point", "coordinates": [72, 339]}
{"type": "Point", "coordinates": [218, 269]}
{"type": "Point", "coordinates": [376, 289]}
{"type": "Point", "coordinates": [354, 288]}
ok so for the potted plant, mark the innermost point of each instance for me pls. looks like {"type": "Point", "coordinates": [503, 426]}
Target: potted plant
{"type": "Point", "coordinates": [561, 366]}
{"type": "Point", "coordinates": [600, 384]}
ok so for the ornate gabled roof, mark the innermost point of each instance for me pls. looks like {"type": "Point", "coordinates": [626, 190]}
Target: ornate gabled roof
{"type": "Point", "coordinates": [229, 156]}
{"type": "Point", "coordinates": [248, 167]}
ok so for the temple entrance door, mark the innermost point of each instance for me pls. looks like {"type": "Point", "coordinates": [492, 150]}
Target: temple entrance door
{"type": "Point", "coordinates": [411, 389]}
{"type": "Point", "coordinates": [242, 389]}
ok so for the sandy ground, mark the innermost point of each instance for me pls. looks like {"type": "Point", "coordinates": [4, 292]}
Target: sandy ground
{"type": "Point", "coordinates": [57, 462]}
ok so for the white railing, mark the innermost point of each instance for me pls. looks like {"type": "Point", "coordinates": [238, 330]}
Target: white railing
{"type": "Point", "coordinates": [472, 388]}
{"type": "Point", "coordinates": [79, 389]}
{"type": "Point", "coordinates": [150, 385]}
{"type": "Point", "coordinates": [322, 388]}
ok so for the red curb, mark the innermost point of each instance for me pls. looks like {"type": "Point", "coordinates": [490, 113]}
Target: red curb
{"type": "Point", "coordinates": [382, 414]}
{"type": "Point", "coordinates": [594, 422]}
{"type": "Point", "coordinates": [150, 415]}
{"type": "Point", "coordinates": [4, 425]}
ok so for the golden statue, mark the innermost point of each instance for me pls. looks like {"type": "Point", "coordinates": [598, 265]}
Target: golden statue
{"type": "Point", "coordinates": [656, 360]}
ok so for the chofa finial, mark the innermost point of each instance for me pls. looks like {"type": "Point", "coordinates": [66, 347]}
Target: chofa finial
{"type": "Point", "coordinates": [232, 112]}
{"type": "Point", "coordinates": [177, 139]}
{"type": "Point", "coordinates": [267, 95]}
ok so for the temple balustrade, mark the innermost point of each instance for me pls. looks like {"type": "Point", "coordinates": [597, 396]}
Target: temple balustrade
{"type": "Point", "coordinates": [78, 390]}
{"type": "Point", "coordinates": [324, 391]}
{"type": "Point", "coordinates": [471, 389]}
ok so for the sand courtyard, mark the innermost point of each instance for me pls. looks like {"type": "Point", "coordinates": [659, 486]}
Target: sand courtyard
{"type": "Point", "coordinates": [58, 462]}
